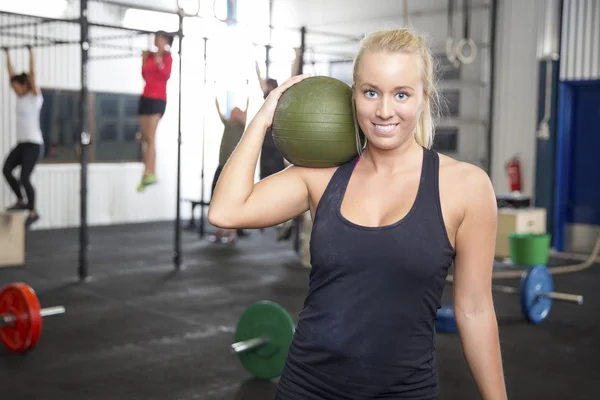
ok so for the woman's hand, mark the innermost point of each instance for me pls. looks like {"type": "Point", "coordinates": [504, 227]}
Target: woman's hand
{"type": "Point", "coordinates": [267, 111]}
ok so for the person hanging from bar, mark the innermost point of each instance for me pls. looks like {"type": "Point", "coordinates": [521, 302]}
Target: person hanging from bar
{"type": "Point", "coordinates": [156, 71]}
{"type": "Point", "coordinates": [30, 142]}
{"type": "Point", "coordinates": [234, 127]}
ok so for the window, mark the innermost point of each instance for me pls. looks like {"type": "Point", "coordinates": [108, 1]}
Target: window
{"type": "Point", "coordinates": [116, 128]}
{"type": "Point", "coordinates": [113, 126]}
{"type": "Point", "coordinates": [446, 139]}
{"type": "Point", "coordinates": [447, 70]}
{"type": "Point", "coordinates": [451, 102]}
{"type": "Point", "coordinates": [59, 120]}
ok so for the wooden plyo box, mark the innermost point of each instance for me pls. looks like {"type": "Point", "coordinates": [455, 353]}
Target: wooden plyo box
{"type": "Point", "coordinates": [520, 220]}
{"type": "Point", "coordinates": [12, 238]}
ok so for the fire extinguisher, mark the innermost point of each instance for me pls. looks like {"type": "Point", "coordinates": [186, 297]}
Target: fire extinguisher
{"type": "Point", "coordinates": [513, 170]}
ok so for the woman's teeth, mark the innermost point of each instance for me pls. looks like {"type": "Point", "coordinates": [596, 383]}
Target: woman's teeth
{"type": "Point", "coordinates": [385, 128]}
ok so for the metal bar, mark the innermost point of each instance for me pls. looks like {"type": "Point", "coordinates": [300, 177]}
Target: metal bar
{"type": "Point", "coordinates": [309, 31]}
{"type": "Point", "coordinates": [201, 228]}
{"type": "Point", "coordinates": [118, 47]}
{"type": "Point", "coordinates": [24, 24]}
{"type": "Point", "coordinates": [138, 6]}
{"type": "Point", "coordinates": [338, 61]}
{"type": "Point", "coordinates": [7, 320]}
{"type": "Point", "coordinates": [123, 28]}
{"type": "Point", "coordinates": [113, 37]}
{"type": "Point", "coordinates": [250, 344]}
{"type": "Point", "coordinates": [177, 256]}
{"type": "Point", "coordinates": [567, 297]}
{"type": "Point", "coordinates": [41, 19]}
{"type": "Point", "coordinates": [352, 38]}
{"type": "Point", "coordinates": [332, 44]}
{"type": "Point", "coordinates": [49, 39]}
{"type": "Point", "coordinates": [112, 57]}
{"type": "Point", "coordinates": [492, 86]}
{"type": "Point", "coordinates": [397, 17]}
{"type": "Point", "coordinates": [20, 46]}
{"type": "Point", "coordinates": [47, 312]}
{"type": "Point", "coordinates": [85, 141]}
{"type": "Point", "coordinates": [268, 46]}
{"type": "Point", "coordinates": [302, 48]}
{"type": "Point", "coordinates": [505, 289]}
{"type": "Point", "coordinates": [10, 319]}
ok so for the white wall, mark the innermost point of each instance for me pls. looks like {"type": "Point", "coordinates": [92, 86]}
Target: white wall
{"type": "Point", "coordinates": [580, 40]}
{"type": "Point", "coordinates": [516, 88]}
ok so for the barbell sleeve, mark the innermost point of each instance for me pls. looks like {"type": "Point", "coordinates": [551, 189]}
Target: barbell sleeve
{"type": "Point", "coordinates": [568, 297]}
{"type": "Point", "coordinates": [46, 312]}
{"type": "Point", "coordinates": [6, 319]}
{"type": "Point", "coordinates": [10, 319]}
{"type": "Point", "coordinates": [250, 344]}
{"type": "Point", "coordinates": [505, 289]}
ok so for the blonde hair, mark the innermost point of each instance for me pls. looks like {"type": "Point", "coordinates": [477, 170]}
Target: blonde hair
{"type": "Point", "coordinates": [406, 41]}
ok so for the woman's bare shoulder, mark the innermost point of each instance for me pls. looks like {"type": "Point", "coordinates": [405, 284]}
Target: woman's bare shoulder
{"type": "Point", "coordinates": [465, 181]}
{"type": "Point", "coordinates": [460, 172]}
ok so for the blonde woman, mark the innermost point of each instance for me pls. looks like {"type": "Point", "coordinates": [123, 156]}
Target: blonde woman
{"type": "Point", "coordinates": [387, 226]}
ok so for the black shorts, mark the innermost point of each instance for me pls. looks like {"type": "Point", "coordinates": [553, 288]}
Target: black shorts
{"type": "Point", "coordinates": [149, 106]}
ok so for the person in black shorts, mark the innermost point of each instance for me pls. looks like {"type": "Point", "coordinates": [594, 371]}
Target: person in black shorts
{"type": "Point", "coordinates": [156, 71]}
{"type": "Point", "coordinates": [30, 142]}
{"type": "Point", "coordinates": [271, 160]}
{"type": "Point", "coordinates": [387, 227]}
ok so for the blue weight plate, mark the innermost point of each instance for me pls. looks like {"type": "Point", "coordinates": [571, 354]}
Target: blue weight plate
{"type": "Point", "coordinates": [535, 281]}
{"type": "Point", "coordinates": [446, 323]}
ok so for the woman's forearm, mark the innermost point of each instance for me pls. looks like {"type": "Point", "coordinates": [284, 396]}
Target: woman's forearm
{"type": "Point", "coordinates": [31, 62]}
{"type": "Point", "coordinates": [236, 181]}
{"type": "Point", "coordinates": [480, 339]}
{"type": "Point", "coordinates": [9, 67]}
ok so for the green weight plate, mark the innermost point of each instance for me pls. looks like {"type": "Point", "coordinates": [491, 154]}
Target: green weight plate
{"type": "Point", "coordinates": [265, 319]}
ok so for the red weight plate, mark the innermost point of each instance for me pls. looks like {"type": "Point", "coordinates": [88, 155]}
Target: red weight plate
{"type": "Point", "coordinates": [19, 300]}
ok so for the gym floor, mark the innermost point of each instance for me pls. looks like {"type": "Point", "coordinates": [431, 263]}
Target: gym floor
{"type": "Point", "coordinates": [138, 330]}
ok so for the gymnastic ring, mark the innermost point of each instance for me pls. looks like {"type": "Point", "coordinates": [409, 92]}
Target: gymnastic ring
{"type": "Point", "coordinates": [226, 19]}
{"type": "Point", "coordinates": [189, 11]}
{"type": "Point", "coordinates": [470, 43]}
{"type": "Point", "coordinates": [450, 53]}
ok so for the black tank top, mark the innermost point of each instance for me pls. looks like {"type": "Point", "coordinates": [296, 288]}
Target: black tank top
{"type": "Point", "coordinates": [367, 329]}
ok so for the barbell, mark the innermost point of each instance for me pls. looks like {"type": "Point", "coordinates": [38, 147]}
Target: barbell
{"type": "Point", "coordinates": [536, 294]}
{"type": "Point", "coordinates": [263, 335]}
{"type": "Point", "coordinates": [21, 317]}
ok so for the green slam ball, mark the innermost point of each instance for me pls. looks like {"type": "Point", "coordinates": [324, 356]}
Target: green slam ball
{"type": "Point", "coordinates": [313, 124]}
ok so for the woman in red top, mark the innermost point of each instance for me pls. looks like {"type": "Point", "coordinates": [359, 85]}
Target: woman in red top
{"type": "Point", "coordinates": [156, 71]}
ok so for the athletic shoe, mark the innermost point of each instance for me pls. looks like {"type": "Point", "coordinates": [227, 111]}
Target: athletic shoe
{"type": "Point", "coordinates": [17, 207]}
{"type": "Point", "coordinates": [147, 180]}
{"type": "Point", "coordinates": [31, 219]}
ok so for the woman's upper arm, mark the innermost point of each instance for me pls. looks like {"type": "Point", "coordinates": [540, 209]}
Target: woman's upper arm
{"type": "Point", "coordinates": [274, 200]}
{"type": "Point", "coordinates": [475, 243]}
{"type": "Point", "coordinates": [33, 84]}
